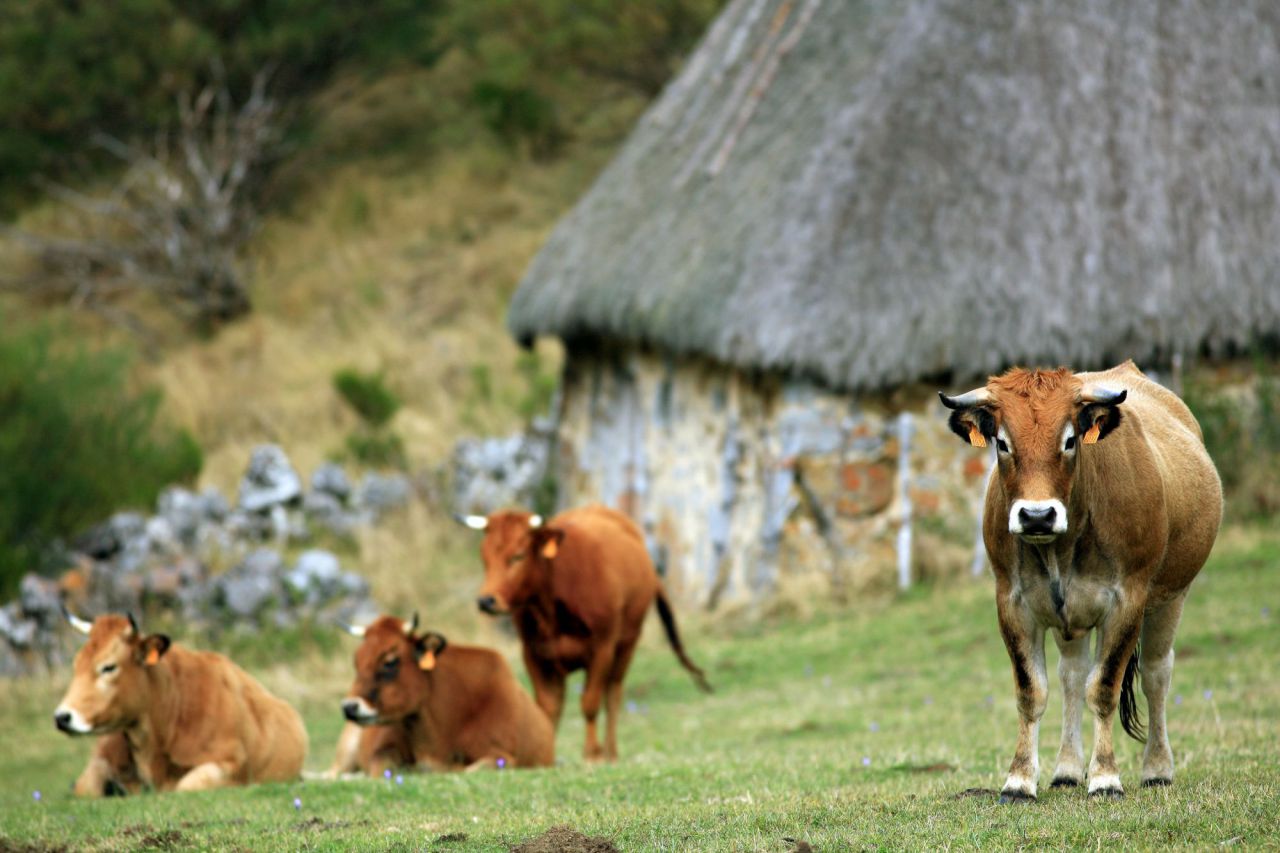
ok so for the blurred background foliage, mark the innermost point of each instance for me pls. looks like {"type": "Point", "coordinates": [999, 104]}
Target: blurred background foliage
{"type": "Point", "coordinates": [77, 440]}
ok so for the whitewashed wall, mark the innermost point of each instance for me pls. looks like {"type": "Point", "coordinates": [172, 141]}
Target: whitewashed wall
{"type": "Point", "coordinates": [752, 489]}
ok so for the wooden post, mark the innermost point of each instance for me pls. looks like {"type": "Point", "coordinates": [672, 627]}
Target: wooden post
{"type": "Point", "coordinates": [904, 489]}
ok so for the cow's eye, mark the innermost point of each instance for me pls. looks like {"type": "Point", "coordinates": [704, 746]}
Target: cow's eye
{"type": "Point", "coordinates": [389, 668]}
{"type": "Point", "coordinates": [1001, 445]}
{"type": "Point", "coordinates": [1069, 443]}
{"type": "Point", "coordinates": [107, 669]}
{"type": "Point", "coordinates": [516, 558]}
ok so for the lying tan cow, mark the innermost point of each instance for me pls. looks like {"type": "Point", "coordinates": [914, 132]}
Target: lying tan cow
{"type": "Point", "coordinates": [172, 718]}
{"type": "Point", "coordinates": [1100, 512]}
{"type": "Point", "coordinates": [578, 589]}
{"type": "Point", "coordinates": [432, 704]}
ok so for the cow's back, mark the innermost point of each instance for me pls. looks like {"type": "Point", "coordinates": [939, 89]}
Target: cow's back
{"type": "Point", "coordinates": [603, 563]}
{"type": "Point", "coordinates": [1168, 437]}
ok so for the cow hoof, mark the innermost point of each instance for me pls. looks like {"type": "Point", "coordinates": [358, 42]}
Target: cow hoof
{"type": "Point", "coordinates": [1157, 782]}
{"type": "Point", "coordinates": [1064, 782]}
{"type": "Point", "coordinates": [1108, 794]}
{"type": "Point", "coordinates": [1007, 797]}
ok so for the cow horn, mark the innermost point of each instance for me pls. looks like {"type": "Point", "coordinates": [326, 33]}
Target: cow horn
{"type": "Point", "coordinates": [969, 400]}
{"type": "Point", "coordinates": [84, 626]}
{"type": "Point", "coordinates": [475, 522]}
{"type": "Point", "coordinates": [411, 625]}
{"type": "Point", "coordinates": [133, 626]}
{"type": "Point", "coordinates": [1104, 395]}
{"type": "Point", "coordinates": [353, 630]}
{"type": "Point", "coordinates": [535, 521]}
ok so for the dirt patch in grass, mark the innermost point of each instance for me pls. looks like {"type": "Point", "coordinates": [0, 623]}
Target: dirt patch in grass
{"type": "Point", "coordinates": [565, 839]}
{"type": "Point", "coordinates": [937, 767]}
{"type": "Point", "coordinates": [450, 838]}
{"type": "Point", "coordinates": [144, 837]}
{"type": "Point", "coordinates": [319, 824]}
{"type": "Point", "coordinates": [975, 792]}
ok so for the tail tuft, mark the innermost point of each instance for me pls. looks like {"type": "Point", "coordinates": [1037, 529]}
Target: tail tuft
{"type": "Point", "coordinates": [1129, 716]}
{"type": "Point", "coordinates": [673, 637]}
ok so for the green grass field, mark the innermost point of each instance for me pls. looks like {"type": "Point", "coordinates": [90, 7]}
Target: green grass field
{"type": "Point", "coordinates": [885, 726]}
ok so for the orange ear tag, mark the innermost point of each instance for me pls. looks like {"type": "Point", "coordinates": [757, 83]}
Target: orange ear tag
{"type": "Point", "coordinates": [153, 656]}
{"type": "Point", "coordinates": [975, 436]}
{"type": "Point", "coordinates": [427, 661]}
{"type": "Point", "coordinates": [550, 549]}
{"type": "Point", "coordinates": [1091, 434]}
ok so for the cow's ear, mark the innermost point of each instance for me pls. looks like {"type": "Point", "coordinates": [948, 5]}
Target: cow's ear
{"type": "Point", "coordinates": [1097, 421]}
{"type": "Point", "coordinates": [152, 648]}
{"type": "Point", "coordinates": [971, 419]}
{"type": "Point", "coordinates": [429, 646]}
{"type": "Point", "coordinates": [546, 541]}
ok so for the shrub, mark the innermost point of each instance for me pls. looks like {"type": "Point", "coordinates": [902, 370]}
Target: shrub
{"type": "Point", "coordinates": [77, 441]}
{"type": "Point", "coordinates": [368, 395]}
{"type": "Point", "coordinates": [378, 449]}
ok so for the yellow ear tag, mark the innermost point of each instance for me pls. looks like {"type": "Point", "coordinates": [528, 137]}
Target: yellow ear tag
{"type": "Point", "coordinates": [550, 549]}
{"type": "Point", "coordinates": [153, 656]}
{"type": "Point", "coordinates": [427, 661]}
{"type": "Point", "coordinates": [1091, 434]}
{"type": "Point", "coordinates": [975, 436]}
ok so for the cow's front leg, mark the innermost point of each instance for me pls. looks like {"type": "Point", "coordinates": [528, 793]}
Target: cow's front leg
{"type": "Point", "coordinates": [548, 685]}
{"type": "Point", "coordinates": [203, 777]}
{"type": "Point", "coordinates": [1073, 669]}
{"type": "Point", "coordinates": [1117, 639]}
{"type": "Point", "coordinates": [592, 694]}
{"type": "Point", "coordinates": [1024, 640]}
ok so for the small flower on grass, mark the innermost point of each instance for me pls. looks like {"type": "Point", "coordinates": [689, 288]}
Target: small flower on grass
{"type": "Point", "coordinates": [1266, 611]}
{"type": "Point", "coordinates": [808, 670]}
{"type": "Point", "coordinates": [386, 774]}
{"type": "Point", "coordinates": [866, 761]}
{"type": "Point", "coordinates": [988, 700]}
{"type": "Point", "coordinates": [297, 803]}
{"type": "Point", "coordinates": [502, 763]}
{"type": "Point", "coordinates": [875, 727]}
{"type": "Point", "coordinates": [928, 700]}
{"type": "Point", "coordinates": [36, 795]}
{"type": "Point", "coordinates": [1208, 694]}
{"type": "Point", "coordinates": [1177, 699]}
{"type": "Point", "coordinates": [399, 779]}
{"type": "Point", "coordinates": [632, 707]}
{"type": "Point", "coordinates": [826, 681]}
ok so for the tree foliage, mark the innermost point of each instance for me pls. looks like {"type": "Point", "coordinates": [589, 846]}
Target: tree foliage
{"type": "Point", "coordinates": [77, 441]}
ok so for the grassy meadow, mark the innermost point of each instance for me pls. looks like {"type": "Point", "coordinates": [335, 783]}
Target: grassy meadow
{"type": "Point", "coordinates": [886, 725]}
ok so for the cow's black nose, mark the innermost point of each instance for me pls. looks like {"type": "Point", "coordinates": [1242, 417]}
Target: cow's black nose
{"type": "Point", "coordinates": [487, 603]}
{"type": "Point", "coordinates": [62, 720]}
{"type": "Point", "coordinates": [351, 710]}
{"type": "Point", "coordinates": [1037, 519]}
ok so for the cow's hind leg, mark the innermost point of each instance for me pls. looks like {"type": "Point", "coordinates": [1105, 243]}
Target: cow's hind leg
{"type": "Point", "coordinates": [597, 677]}
{"type": "Point", "coordinates": [1117, 639]}
{"type": "Point", "coordinates": [1158, 628]}
{"type": "Point", "coordinates": [1073, 669]}
{"type": "Point", "coordinates": [613, 697]}
{"type": "Point", "coordinates": [206, 776]}
{"type": "Point", "coordinates": [1024, 641]}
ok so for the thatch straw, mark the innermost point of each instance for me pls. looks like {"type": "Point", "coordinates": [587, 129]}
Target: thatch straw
{"type": "Point", "coordinates": [874, 192]}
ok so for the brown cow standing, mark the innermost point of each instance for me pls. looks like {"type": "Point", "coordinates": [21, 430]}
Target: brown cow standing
{"type": "Point", "coordinates": [578, 589]}
{"type": "Point", "coordinates": [173, 718]}
{"type": "Point", "coordinates": [1102, 509]}
{"type": "Point", "coordinates": [437, 705]}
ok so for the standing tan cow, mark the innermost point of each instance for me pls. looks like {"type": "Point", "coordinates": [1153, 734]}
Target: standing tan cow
{"type": "Point", "coordinates": [578, 589]}
{"type": "Point", "coordinates": [437, 705]}
{"type": "Point", "coordinates": [172, 718]}
{"type": "Point", "coordinates": [1102, 509]}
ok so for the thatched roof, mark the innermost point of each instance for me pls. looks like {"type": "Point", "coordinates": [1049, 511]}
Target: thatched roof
{"type": "Point", "coordinates": [874, 191]}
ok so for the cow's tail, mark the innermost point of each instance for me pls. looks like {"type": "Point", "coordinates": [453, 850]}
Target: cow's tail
{"type": "Point", "coordinates": [1129, 716]}
{"type": "Point", "coordinates": [673, 637]}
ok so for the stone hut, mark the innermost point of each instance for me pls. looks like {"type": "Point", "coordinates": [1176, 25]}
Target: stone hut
{"type": "Point", "coordinates": [840, 206]}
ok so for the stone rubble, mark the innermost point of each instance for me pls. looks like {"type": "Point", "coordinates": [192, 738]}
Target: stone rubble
{"type": "Point", "coordinates": [143, 564]}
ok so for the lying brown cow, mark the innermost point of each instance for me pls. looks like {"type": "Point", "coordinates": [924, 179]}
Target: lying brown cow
{"type": "Point", "coordinates": [172, 718]}
{"type": "Point", "coordinates": [436, 705]}
{"type": "Point", "coordinates": [578, 589]}
{"type": "Point", "coordinates": [1101, 510]}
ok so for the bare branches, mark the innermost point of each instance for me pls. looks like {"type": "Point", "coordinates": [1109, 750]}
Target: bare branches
{"type": "Point", "coordinates": [174, 223]}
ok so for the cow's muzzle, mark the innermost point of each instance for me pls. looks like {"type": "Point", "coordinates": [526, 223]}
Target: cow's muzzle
{"type": "Point", "coordinates": [1037, 522]}
{"type": "Point", "coordinates": [489, 604]}
{"type": "Point", "coordinates": [70, 722]}
{"type": "Point", "coordinates": [359, 712]}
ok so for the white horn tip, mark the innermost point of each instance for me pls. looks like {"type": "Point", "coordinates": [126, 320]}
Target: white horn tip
{"type": "Point", "coordinates": [535, 521]}
{"type": "Point", "coordinates": [475, 522]}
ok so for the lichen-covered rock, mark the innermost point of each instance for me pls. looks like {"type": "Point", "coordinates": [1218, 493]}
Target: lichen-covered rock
{"type": "Point", "coordinates": [491, 473]}
{"type": "Point", "coordinates": [270, 480]}
{"type": "Point", "coordinates": [379, 493]}
{"type": "Point", "coordinates": [246, 589]}
{"type": "Point", "coordinates": [331, 478]}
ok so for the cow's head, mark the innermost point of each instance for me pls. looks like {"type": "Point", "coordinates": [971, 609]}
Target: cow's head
{"type": "Point", "coordinates": [517, 551]}
{"type": "Point", "coordinates": [1040, 421]}
{"type": "Point", "coordinates": [393, 665]}
{"type": "Point", "coordinates": [110, 682]}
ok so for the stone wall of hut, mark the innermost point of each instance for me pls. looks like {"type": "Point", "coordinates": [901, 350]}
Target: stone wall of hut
{"type": "Point", "coordinates": [757, 489]}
